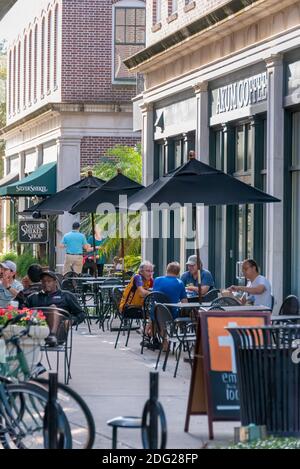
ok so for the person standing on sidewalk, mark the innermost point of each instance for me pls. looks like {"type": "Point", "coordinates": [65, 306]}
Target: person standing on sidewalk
{"type": "Point", "coordinates": [74, 242]}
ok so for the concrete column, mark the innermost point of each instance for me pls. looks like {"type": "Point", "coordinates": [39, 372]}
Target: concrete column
{"type": "Point", "coordinates": [21, 205]}
{"type": "Point", "coordinates": [39, 155]}
{"type": "Point", "coordinates": [21, 165]}
{"type": "Point", "coordinates": [202, 130]}
{"type": "Point", "coordinates": [275, 176]}
{"type": "Point", "coordinates": [68, 172]}
{"type": "Point", "coordinates": [148, 172]}
{"type": "Point", "coordinates": [202, 153]}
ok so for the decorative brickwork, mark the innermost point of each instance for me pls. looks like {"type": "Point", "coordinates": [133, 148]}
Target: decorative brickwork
{"type": "Point", "coordinates": [94, 148]}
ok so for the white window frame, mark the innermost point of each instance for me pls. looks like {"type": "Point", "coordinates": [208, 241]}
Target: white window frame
{"type": "Point", "coordinates": [122, 4]}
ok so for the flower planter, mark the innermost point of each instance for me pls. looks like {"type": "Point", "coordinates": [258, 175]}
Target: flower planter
{"type": "Point", "coordinates": [30, 343]}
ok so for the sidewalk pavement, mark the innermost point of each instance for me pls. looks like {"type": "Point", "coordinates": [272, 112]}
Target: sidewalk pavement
{"type": "Point", "coordinates": [115, 382]}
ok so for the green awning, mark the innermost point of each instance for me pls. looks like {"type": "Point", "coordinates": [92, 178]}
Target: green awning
{"type": "Point", "coordinates": [40, 182]}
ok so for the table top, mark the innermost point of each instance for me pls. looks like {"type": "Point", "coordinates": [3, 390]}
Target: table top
{"type": "Point", "coordinates": [285, 318]}
{"type": "Point", "coordinates": [206, 306]}
{"type": "Point", "coordinates": [102, 287]}
{"type": "Point", "coordinates": [187, 305]}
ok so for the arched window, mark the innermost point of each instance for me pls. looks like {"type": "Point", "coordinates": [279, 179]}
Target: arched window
{"type": "Point", "coordinates": [14, 82]}
{"type": "Point", "coordinates": [24, 71]}
{"type": "Point", "coordinates": [172, 6]}
{"type": "Point", "coordinates": [35, 59]}
{"type": "Point", "coordinates": [55, 52]}
{"type": "Point", "coordinates": [30, 68]}
{"type": "Point", "coordinates": [19, 77]}
{"type": "Point", "coordinates": [156, 11]}
{"type": "Point", "coordinates": [43, 58]}
{"type": "Point", "coordinates": [10, 81]}
{"type": "Point", "coordinates": [49, 47]}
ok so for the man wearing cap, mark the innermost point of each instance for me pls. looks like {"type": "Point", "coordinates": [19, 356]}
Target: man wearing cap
{"type": "Point", "coordinates": [50, 295]}
{"type": "Point", "coordinates": [190, 278]}
{"type": "Point", "coordinates": [74, 242]}
{"type": "Point", "coordinates": [9, 286]}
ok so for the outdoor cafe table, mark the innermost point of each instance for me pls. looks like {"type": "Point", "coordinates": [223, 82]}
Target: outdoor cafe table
{"type": "Point", "coordinates": [103, 304]}
{"type": "Point", "coordinates": [283, 318]}
{"type": "Point", "coordinates": [187, 305]}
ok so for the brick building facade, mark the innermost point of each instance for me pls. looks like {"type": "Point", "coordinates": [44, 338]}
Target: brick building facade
{"type": "Point", "coordinates": [222, 77]}
{"type": "Point", "coordinates": [68, 92]}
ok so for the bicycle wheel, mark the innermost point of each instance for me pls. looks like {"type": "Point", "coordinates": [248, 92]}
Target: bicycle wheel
{"type": "Point", "coordinates": [23, 410]}
{"type": "Point", "coordinates": [79, 416]}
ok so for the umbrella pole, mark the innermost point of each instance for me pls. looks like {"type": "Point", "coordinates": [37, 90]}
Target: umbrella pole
{"type": "Point", "coordinates": [197, 252]}
{"type": "Point", "coordinates": [94, 245]}
{"type": "Point", "coordinates": [122, 248]}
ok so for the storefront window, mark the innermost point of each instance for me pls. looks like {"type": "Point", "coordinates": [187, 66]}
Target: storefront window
{"type": "Point", "coordinates": [243, 225]}
{"type": "Point", "coordinates": [295, 219]}
{"type": "Point", "coordinates": [239, 149]}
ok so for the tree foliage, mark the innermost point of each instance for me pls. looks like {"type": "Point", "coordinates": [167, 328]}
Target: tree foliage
{"type": "Point", "coordinates": [129, 161]}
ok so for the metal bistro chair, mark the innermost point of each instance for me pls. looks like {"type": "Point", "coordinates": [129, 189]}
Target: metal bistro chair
{"type": "Point", "coordinates": [148, 308]}
{"type": "Point", "coordinates": [116, 296]}
{"type": "Point", "coordinates": [225, 301]}
{"type": "Point", "coordinates": [59, 278]}
{"type": "Point", "coordinates": [107, 305]}
{"type": "Point", "coordinates": [130, 314]}
{"type": "Point", "coordinates": [180, 332]}
{"type": "Point", "coordinates": [76, 287]}
{"type": "Point", "coordinates": [60, 337]}
{"type": "Point", "coordinates": [290, 306]}
{"type": "Point", "coordinates": [211, 295]}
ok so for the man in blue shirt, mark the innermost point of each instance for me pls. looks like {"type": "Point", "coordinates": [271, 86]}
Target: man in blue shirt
{"type": "Point", "coordinates": [190, 278]}
{"type": "Point", "coordinates": [171, 286]}
{"type": "Point", "coordinates": [74, 242]}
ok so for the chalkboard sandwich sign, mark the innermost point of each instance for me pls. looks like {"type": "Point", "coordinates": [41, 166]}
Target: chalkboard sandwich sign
{"type": "Point", "coordinates": [214, 387]}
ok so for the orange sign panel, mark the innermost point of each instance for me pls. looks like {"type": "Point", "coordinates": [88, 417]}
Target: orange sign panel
{"type": "Point", "coordinates": [221, 343]}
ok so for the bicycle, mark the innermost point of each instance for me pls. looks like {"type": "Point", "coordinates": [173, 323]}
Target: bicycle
{"type": "Point", "coordinates": [76, 411]}
{"type": "Point", "coordinates": [22, 410]}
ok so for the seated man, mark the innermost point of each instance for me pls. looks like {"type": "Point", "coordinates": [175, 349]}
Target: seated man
{"type": "Point", "coordinates": [9, 286]}
{"type": "Point", "coordinates": [137, 289]}
{"type": "Point", "coordinates": [172, 286]}
{"type": "Point", "coordinates": [52, 296]}
{"type": "Point", "coordinates": [258, 289]}
{"type": "Point", "coordinates": [34, 275]}
{"type": "Point", "coordinates": [190, 278]}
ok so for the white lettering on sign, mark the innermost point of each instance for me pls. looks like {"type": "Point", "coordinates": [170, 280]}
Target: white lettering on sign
{"type": "Point", "coordinates": [242, 93]}
{"type": "Point", "coordinates": [227, 341]}
{"type": "Point", "coordinates": [34, 231]}
{"type": "Point", "coordinates": [31, 189]}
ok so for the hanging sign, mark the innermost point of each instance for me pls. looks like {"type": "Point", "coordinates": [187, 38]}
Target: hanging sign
{"type": "Point", "coordinates": [33, 231]}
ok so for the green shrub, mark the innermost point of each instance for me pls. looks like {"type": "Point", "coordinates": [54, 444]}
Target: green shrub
{"type": "Point", "coordinates": [24, 261]}
{"type": "Point", "coordinates": [132, 262]}
{"type": "Point", "coordinates": [9, 256]}
{"type": "Point", "coordinates": [269, 443]}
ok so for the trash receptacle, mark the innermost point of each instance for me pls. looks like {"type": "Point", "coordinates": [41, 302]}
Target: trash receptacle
{"type": "Point", "coordinates": [268, 377]}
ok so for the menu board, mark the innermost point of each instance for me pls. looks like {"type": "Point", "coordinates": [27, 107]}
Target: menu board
{"type": "Point", "coordinates": [214, 387]}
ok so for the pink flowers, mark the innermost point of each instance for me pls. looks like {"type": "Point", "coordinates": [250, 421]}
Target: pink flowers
{"type": "Point", "coordinates": [35, 317]}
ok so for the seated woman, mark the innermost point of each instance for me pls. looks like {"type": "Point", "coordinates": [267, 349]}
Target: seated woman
{"type": "Point", "coordinates": [138, 288]}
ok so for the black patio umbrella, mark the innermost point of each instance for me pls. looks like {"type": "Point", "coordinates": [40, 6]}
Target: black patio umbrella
{"type": "Point", "coordinates": [109, 192]}
{"type": "Point", "coordinates": [198, 183]}
{"type": "Point", "coordinates": [64, 200]}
